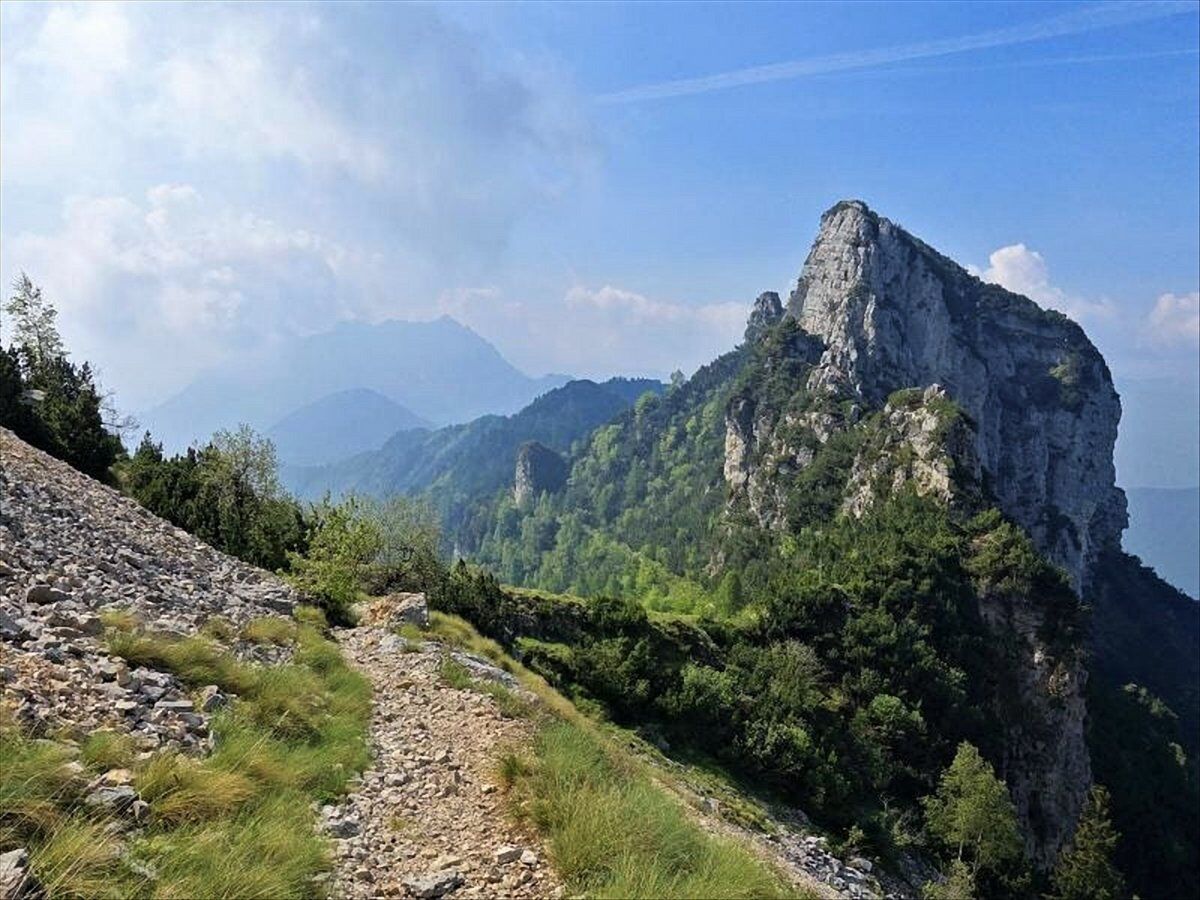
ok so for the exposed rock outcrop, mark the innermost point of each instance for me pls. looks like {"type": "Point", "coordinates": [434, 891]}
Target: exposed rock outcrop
{"type": "Point", "coordinates": [921, 439]}
{"type": "Point", "coordinates": [539, 469]}
{"type": "Point", "coordinates": [893, 313]}
{"type": "Point", "coordinates": [766, 312]}
{"type": "Point", "coordinates": [1046, 764]}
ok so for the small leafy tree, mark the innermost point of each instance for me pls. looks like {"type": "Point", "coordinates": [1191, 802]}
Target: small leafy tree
{"type": "Point", "coordinates": [33, 323]}
{"type": "Point", "coordinates": [959, 884]}
{"type": "Point", "coordinates": [226, 493]}
{"type": "Point", "coordinates": [342, 543]}
{"type": "Point", "coordinates": [44, 397]}
{"type": "Point", "coordinates": [410, 537]}
{"type": "Point", "coordinates": [972, 814]}
{"type": "Point", "coordinates": [1085, 871]}
{"type": "Point", "coordinates": [239, 504]}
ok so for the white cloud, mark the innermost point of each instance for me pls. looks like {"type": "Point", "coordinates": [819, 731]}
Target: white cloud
{"type": "Point", "coordinates": [1024, 271]}
{"type": "Point", "coordinates": [232, 98]}
{"type": "Point", "coordinates": [599, 332]}
{"type": "Point", "coordinates": [1077, 21]}
{"type": "Point", "coordinates": [88, 44]}
{"type": "Point", "coordinates": [154, 290]}
{"type": "Point", "coordinates": [628, 307]}
{"type": "Point", "coordinates": [1175, 320]}
{"type": "Point", "coordinates": [229, 173]}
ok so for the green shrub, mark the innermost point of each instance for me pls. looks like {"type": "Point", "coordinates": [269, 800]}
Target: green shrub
{"type": "Point", "coordinates": [341, 544]}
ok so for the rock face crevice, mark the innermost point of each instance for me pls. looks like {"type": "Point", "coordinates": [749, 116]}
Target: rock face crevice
{"type": "Point", "coordinates": [893, 313]}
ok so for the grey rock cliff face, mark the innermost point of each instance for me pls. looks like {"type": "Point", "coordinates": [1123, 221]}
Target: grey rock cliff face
{"type": "Point", "coordinates": [893, 313]}
{"type": "Point", "coordinates": [919, 441]}
{"type": "Point", "coordinates": [539, 469]}
{"type": "Point", "coordinates": [983, 398]}
{"type": "Point", "coordinates": [1045, 761]}
{"type": "Point", "coordinates": [767, 310]}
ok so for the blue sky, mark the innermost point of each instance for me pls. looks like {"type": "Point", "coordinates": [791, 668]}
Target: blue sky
{"type": "Point", "coordinates": [597, 188]}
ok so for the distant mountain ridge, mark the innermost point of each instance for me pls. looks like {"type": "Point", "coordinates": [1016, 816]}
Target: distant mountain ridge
{"type": "Point", "coordinates": [339, 425]}
{"type": "Point", "coordinates": [461, 464]}
{"type": "Point", "coordinates": [439, 370]}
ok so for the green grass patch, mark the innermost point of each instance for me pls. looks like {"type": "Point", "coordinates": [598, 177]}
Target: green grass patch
{"type": "Point", "coordinates": [270, 630]}
{"type": "Point", "coordinates": [237, 823]}
{"type": "Point", "coordinates": [119, 619]}
{"type": "Point", "coordinates": [611, 830]}
{"type": "Point", "coordinates": [196, 661]}
{"type": "Point", "coordinates": [219, 628]}
{"type": "Point", "coordinates": [613, 833]}
{"type": "Point", "coordinates": [104, 750]}
{"type": "Point", "coordinates": [411, 632]}
{"type": "Point", "coordinates": [454, 674]}
{"type": "Point", "coordinates": [312, 616]}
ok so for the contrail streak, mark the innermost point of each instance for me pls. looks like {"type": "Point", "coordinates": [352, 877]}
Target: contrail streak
{"type": "Point", "coordinates": [1092, 18]}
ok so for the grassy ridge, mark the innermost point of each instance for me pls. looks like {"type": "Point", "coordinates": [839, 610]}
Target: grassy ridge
{"type": "Point", "coordinates": [237, 823]}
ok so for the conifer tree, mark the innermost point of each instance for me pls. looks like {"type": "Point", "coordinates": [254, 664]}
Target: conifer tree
{"type": "Point", "coordinates": [1085, 871]}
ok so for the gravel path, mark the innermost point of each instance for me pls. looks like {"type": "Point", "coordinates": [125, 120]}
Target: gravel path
{"type": "Point", "coordinates": [428, 819]}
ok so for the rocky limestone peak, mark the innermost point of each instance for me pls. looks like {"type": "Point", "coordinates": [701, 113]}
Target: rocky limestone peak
{"type": "Point", "coordinates": [893, 313]}
{"type": "Point", "coordinates": [767, 311]}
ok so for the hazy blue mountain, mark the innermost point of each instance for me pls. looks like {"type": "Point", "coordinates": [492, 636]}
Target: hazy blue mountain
{"type": "Point", "coordinates": [441, 371]}
{"type": "Point", "coordinates": [339, 425]}
{"type": "Point", "coordinates": [1164, 530]}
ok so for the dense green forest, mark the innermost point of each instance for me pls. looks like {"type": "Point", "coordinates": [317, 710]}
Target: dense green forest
{"type": "Point", "coordinates": [45, 398]}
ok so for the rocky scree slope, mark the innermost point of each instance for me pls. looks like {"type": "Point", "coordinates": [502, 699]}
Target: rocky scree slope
{"type": "Point", "coordinates": [72, 550]}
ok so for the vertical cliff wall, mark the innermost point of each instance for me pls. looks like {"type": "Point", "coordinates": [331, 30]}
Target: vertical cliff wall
{"type": "Point", "coordinates": [893, 313]}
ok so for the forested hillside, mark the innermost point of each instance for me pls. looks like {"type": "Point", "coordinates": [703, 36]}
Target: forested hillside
{"type": "Point", "coordinates": [456, 466]}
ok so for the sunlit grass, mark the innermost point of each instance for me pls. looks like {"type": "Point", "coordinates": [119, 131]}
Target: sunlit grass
{"type": "Point", "coordinates": [613, 833]}
{"type": "Point", "coordinates": [611, 830]}
{"type": "Point", "coordinates": [511, 706]}
{"type": "Point", "coordinates": [103, 750]}
{"type": "Point", "coordinates": [270, 630]}
{"type": "Point", "coordinates": [237, 823]}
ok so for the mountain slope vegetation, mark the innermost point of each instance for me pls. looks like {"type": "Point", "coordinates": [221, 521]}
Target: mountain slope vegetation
{"type": "Point", "coordinates": [457, 465]}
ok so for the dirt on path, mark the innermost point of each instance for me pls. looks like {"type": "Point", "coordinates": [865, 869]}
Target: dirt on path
{"type": "Point", "coordinates": [428, 818]}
